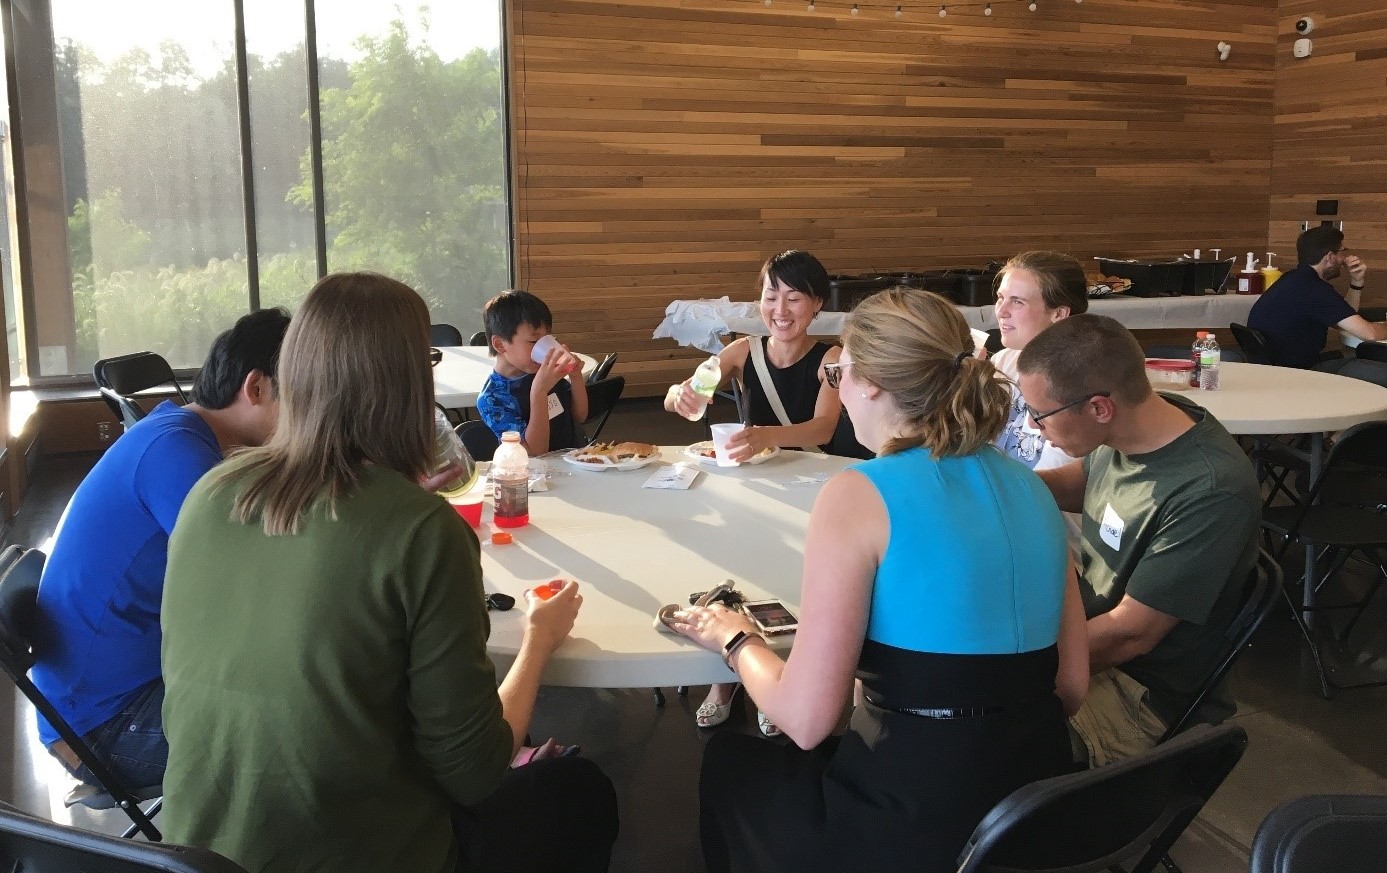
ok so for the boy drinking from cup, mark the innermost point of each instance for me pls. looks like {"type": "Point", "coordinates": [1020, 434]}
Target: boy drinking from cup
{"type": "Point", "coordinates": [537, 386]}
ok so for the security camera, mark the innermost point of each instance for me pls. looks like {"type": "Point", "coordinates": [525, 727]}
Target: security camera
{"type": "Point", "coordinates": [1304, 25]}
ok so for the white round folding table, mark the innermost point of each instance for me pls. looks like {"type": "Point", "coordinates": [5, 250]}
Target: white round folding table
{"type": "Point", "coordinates": [460, 376]}
{"type": "Point", "coordinates": [634, 549]}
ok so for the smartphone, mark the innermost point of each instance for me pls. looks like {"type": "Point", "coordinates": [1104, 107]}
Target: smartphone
{"type": "Point", "coordinates": [771, 616]}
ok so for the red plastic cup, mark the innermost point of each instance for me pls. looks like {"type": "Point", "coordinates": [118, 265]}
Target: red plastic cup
{"type": "Point", "coordinates": [472, 511]}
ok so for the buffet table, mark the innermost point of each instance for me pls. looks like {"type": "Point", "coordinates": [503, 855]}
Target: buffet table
{"type": "Point", "coordinates": [703, 323]}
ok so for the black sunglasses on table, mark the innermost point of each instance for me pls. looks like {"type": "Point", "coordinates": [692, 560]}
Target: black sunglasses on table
{"type": "Point", "coordinates": [435, 357]}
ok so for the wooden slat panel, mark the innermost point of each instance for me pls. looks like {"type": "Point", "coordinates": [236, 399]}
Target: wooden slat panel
{"type": "Point", "coordinates": [664, 148]}
{"type": "Point", "coordinates": [1331, 111]}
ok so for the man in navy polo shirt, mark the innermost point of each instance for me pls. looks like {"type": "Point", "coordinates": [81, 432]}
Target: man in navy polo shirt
{"type": "Point", "coordinates": [97, 634]}
{"type": "Point", "coordinates": [1296, 313]}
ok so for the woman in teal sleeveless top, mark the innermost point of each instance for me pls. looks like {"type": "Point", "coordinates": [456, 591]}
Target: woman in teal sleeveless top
{"type": "Point", "coordinates": [937, 577]}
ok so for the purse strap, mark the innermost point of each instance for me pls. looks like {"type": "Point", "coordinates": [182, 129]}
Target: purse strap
{"type": "Point", "coordinates": [763, 373]}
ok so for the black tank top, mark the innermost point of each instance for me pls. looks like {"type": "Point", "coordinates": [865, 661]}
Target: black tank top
{"type": "Point", "coordinates": [797, 385]}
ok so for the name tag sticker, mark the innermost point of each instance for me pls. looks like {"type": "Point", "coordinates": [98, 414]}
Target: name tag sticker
{"type": "Point", "coordinates": [1111, 528]}
{"type": "Point", "coordinates": [555, 406]}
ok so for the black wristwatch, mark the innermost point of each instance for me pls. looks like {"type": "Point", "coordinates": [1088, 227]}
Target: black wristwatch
{"type": "Point", "coordinates": [739, 639]}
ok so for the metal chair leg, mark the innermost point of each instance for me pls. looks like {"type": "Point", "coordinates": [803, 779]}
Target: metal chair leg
{"type": "Point", "coordinates": [659, 697]}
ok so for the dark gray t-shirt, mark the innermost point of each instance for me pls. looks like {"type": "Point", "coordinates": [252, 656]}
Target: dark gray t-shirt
{"type": "Point", "coordinates": [1177, 530]}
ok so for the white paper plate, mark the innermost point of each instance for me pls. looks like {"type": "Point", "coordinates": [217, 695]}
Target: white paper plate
{"type": "Point", "coordinates": [629, 464]}
{"type": "Point", "coordinates": [696, 451]}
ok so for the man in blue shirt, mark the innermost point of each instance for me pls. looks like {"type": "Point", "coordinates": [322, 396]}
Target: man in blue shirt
{"type": "Point", "coordinates": [97, 635]}
{"type": "Point", "coordinates": [1296, 312]}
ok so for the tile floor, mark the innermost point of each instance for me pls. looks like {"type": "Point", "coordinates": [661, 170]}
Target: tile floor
{"type": "Point", "coordinates": [1299, 743]}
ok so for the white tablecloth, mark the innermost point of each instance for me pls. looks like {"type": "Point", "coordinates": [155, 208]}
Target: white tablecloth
{"type": "Point", "coordinates": [703, 323]}
{"type": "Point", "coordinates": [635, 549]}
{"type": "Point", "coordinates": [459, 377]}
{"type": "Point", "coordinates": [1257, 399]}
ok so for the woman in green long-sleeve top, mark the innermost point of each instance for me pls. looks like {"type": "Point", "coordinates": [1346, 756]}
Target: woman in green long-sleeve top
{"type": "Point", "coordinates": [330, 704]}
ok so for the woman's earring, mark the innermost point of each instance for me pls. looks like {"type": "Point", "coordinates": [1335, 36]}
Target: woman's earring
{"type": "Point", "coordinates": [864, 396]}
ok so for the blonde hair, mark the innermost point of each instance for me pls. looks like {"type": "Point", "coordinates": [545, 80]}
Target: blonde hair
{"type": "Point", "coordinates": [915, 346]}
{"type": "Point", "coordinates": [355, 386]}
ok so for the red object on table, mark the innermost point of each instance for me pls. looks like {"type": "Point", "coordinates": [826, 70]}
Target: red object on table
{"type": "Point", "coordinates": [548, 589]}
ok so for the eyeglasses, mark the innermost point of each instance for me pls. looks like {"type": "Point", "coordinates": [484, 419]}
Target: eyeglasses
{"type": "Point", "coordinates": [1038, 417]}
{"type": "Point", "coordinates": [833, 373]}
{"type": "Point", "coordinates": [499, 602]}
{"type": "Point", "coordinates": [435, 357]}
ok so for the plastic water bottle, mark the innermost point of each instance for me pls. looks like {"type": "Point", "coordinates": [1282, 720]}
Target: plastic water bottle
{"type": "Point", "coordinates": [1209, 365]}
{"type": "Point", "coordinates": [510, 479]}
{"type": "Point", "coordinates": [1197, 352]}
{"type": "Point", "coordinates": [705, 383]}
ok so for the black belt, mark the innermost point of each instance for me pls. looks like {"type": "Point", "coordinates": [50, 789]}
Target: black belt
{"type": "Point", "coordinates": [943, 712]}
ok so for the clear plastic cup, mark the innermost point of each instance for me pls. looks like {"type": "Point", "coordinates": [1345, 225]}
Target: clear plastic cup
{"type": "Point", "coordinates": [542, 347]}
{"type": "Point", "coordinates": [721, 434]}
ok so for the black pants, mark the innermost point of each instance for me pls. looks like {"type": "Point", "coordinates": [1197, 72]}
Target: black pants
{"type": "Point", "coordinates": [555, 815]}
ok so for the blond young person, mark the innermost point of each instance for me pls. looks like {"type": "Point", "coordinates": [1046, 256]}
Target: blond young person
{"type": "Point", "coordinates": [938, 573]}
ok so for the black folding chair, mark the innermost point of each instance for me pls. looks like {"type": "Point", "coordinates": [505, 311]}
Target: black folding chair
{"type": "Point", "coordinates": [478, 339]}
{"type": "Point", "coordinates": [1103, 818]}
{"type": "Point", "coordinates": [1253, 344]}
{"type": "Point", "coordinates": [444, 335]}
{"type": "Point", "coordinates": [1259, 597]}
{"type": "Point", "coordinates": [20, 570]}
{"type": "Point", "coordinates": [479, 440]}
{"type": "Point", "coordinates": [602, 398]}
{"type": "Point", "coordinates": [119, 378]}
{"type": "Point", "coordinates": [1343, 518]}
{"type": "Point", "coordinates": [1342, 833]}
{"type": "Point", "coordinates": [1372, 351]}
{"type": "Point", "coordinates": [34, 845]}
{"type": "Point", "coordinates": [602, 370]}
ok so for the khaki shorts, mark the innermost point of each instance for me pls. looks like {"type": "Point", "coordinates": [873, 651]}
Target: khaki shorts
{"type": "Point", "coordinates": [1115, 721]}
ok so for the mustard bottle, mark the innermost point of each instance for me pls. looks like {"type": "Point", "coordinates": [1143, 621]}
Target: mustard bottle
{"type": "Point", "coordinates": [1269, 273]}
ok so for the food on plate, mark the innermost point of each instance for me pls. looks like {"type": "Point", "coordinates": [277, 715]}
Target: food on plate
{"type": "Point", "coordinates": [614, 453]}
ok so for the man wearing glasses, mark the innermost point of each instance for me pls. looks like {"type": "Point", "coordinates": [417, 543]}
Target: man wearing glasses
{"type": "Point", "coordinates": [1296, 313]}
{"type": "Point", "coordinates": [1169, 530]}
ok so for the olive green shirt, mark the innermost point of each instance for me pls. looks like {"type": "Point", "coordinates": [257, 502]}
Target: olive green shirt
{"type": "Point", "coordinates": [329, 696]}
{"type": "Point", "coordinates": [1177, 530]}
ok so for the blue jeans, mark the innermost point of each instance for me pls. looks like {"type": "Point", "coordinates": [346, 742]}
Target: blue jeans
{"type": "Point", "coordinates": [132, 743]}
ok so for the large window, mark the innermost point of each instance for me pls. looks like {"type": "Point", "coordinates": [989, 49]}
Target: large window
{"type": "Point", "coordinates": [168, 242]}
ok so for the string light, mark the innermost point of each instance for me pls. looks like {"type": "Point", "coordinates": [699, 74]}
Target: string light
{"type": "Point", "coordinates": [810, 7]}
{"type": "Point", "coordinates": [854, 9]}
{"type": "Point", "coordinates": [1032, 7]}
{"type": "Point", "coordinates": [987, 10]}
{"type": "Point", "coordinates": [943, 11]}
{"type": "Point", "coordinates": [899, 13]}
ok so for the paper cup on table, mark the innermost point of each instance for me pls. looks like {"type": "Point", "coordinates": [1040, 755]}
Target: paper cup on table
{"type": "Point", "coordinates": [542, 347]}
{"type": "Point", "coordinates": [721, 434]}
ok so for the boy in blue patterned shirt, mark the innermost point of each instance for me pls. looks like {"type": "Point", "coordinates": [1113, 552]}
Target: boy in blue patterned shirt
{"type": "Point", "coordinates": [544, 402]}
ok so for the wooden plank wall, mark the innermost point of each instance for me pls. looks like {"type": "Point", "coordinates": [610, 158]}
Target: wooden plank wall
{"type": "Point", "coordinates": [665, 148]}
{"type": "Point", "coordinates": [1331, 115]}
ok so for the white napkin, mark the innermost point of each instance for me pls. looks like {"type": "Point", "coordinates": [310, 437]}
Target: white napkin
{"type": "Point", "coordinates": [676, 476]}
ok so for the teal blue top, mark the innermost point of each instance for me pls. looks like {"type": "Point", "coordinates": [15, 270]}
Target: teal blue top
{"type": "Point", "coordinates": [975, 563]}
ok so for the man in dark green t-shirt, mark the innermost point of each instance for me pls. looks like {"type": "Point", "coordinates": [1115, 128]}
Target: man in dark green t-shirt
{"type": "Point", "coordinates": [1170, 508]}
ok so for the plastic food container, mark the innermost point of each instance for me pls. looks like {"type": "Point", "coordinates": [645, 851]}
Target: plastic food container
{"type": "Point", "coordinates": [1169, 374]}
